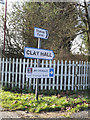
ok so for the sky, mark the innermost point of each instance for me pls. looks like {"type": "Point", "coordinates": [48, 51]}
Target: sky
{"type": "Point", "coordinates": [9, 2]}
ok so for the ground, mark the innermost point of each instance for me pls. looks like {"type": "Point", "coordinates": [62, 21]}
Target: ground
{"type": "Point", "coordinates": [9, 113]}
{"type": "Point", "coordinates": [58, 114]}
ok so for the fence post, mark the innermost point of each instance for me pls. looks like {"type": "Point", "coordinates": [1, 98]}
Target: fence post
{"type": "Point", "coordinates": [46, 78]}
{"type": "Point", "coordinates": [54, 64]}
{"type": "Point", "coordinates": [89, 75]}
{"type": "Point", "coordinates": [6, 73]}
{"type": "Point", "coordinates": [61, 75]}
{"type": "Point", "coordinates": [73, 75]}
{"type": "Point", "coordinates": [57, 74]}
{"type": "Point", "coordinates": [20, 64]}
{"type": "Point", "coordinates": [65, 75]}
{"type": "Point", "coordinates": [31, 62]}
{"type": "Point", "coordinates": [84, 75]}
{"type": "Point", "coordinates": [26, 77]}
{"type": "Point", "coordinates": [0, 70]}
{"type": "Point", "coordinates": [34, 78]}
{"type": "Point", "coordinates": [9, 71]}
{"type": "Point", "coordinates": [79, 75]}
{"type": "Point", "coordinates": [69, 74]}
{"type": "Point", "coordinates": [16, 72]}
{"type": "Point", "coordinates": [0, 73]}
{"type": "Point", "coordinates": [50, 78]}
{"type": "Point", "coordinates": [76, 71]}
{"type": "Point", "coordinates": [42, 78]}
{"type": "Point", "coordinates": [23, 73]}
{"type": "Point", "coordinates": [13, 73]}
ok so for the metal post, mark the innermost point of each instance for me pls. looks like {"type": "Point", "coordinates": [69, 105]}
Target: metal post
{"type": "Point", "coordinates": [38, 65]}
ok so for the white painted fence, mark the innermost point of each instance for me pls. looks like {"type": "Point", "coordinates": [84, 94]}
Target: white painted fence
{"type": "Point", "coordinates": [69, 75]}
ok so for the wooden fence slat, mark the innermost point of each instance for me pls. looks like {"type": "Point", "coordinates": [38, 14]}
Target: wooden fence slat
{"type": "Point", "coordinates": [42, 78]}
{"type": "Point", "coordinates": [69, 74]}
{"type": "Point", "coordinates": [23, 74]}
{"type": "Point", "coordinates": [20, 64]}
{"type": "Point", "coordinates": [61, 75]}
{"type": "Point", "coordinates": [6, 73]}
{"type": "Point", "coordinates": [9, 71]}
{"type": "Point", "coordinates": [34, 78]}
{"type": "Point", "coordinates": [54, 64]}
{"type": "Point", "coordinates": [89, 75]}
{"type": "Point", "coordinates": [84, 75]}
{"type": "Point", "coordinates": [79, 75]}
{"type": "Point", "coordinates": [13, 72]}
{"type": "Point", "coordinates": [73, 75]}
{"type": "Point", "coordinates": [50, 65]}
{"type": "Point", "coordinates": [2, 71]}
{"type": "Point", "coordinates": [76, 72]}
{"type": "Point", "coordinates": [57, 85]}
{"type": "Point", "coordinates": [65, 75]}
{"type": "Point", "coordinates": [46, 78]}
{"type": "Point", "coordinates": [16, 72]}
{"type": "Point", "coordinates": [30, 79]}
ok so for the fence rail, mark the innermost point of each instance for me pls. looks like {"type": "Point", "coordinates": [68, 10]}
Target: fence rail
{"type": "Point", "coordinates": [69, 75]}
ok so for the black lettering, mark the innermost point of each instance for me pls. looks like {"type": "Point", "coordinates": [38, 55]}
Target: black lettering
{"type": "Point", "coordinates": [41, 53]}
{"type": "Point", "coordinates": [40, 31]}
{"type": "Point", "coordinates": [34, 53]}
{"type": "Point", "coordinates": [37, 53]}
{"type": "Point", "coordinates": [27, 52]}
{"type": "Point", "coordinates": [49, 55]}
{"type": "Point", "coordinates": [45, 54]}
{"type": "Point", "coordinates": [31, 53]}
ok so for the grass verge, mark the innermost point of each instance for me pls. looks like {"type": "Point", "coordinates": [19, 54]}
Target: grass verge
{"type": "Point", "coordinates": [64, 101]}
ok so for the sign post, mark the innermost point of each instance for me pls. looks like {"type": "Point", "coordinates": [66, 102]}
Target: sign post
{"type": "Point", "coordinates": [39, 33]}
{"type": "Point", "coordinates": [38, 54]}
{"type": "Point", "coordinates": [38, 64]}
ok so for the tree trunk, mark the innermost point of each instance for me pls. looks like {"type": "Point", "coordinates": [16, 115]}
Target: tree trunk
{"type": "Point", "coordinates": [88, 28]}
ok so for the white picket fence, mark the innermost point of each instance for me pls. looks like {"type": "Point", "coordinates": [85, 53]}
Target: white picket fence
{"type": "Point", "coordinates": [69, 75]}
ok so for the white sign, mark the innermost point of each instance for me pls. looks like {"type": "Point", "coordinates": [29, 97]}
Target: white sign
{"type": "Point", "coordinates": [40, 33]}
{"type": "Point", "coordinates": [40, 72]}
{"type": "Point", "coordinates": [36, 53]}
{"type": "Point", "coordinates": [2, 1]}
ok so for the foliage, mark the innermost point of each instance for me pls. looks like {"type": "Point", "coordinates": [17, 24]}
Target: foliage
{"type": "Point", "coordinates": [59, 18]}
{"type": "Point", "coordinates": [84, 19]}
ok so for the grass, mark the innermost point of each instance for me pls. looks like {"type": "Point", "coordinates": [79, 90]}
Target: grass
{"type": "Point", "coordinates": [57, 101]}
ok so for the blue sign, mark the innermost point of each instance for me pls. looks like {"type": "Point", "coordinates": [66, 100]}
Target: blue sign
{"type": "Point", "coordinates": [51, 72]}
